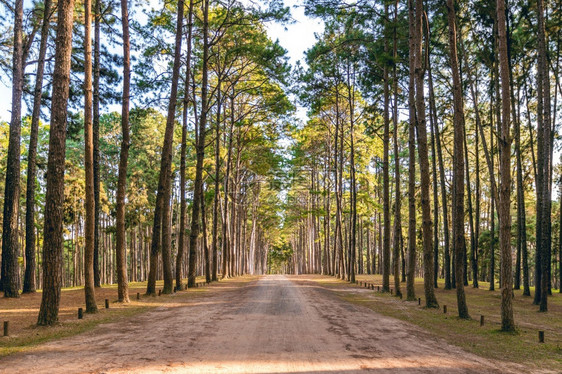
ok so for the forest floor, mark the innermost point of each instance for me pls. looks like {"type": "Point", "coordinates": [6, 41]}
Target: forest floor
{"type": "Point", "coordinates": [274, 324]}
{"type": "Point", "coordinates": [21, 313]}
{"type": "Point", "coordinates": [486, 341]}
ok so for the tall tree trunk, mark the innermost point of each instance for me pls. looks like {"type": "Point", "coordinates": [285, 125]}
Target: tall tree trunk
{"type": "Point", "coordinates": [543, 204]}
{"type": "Point", "coordinates": [10, 246]}
{"type": "Point", "coordinates": [121, 237]}
{"type": "Point", "coordinates": [445, 213]}
{"type": "Point", "coordinates": [505, 177]}
{"type": "Point", "coordinates": [214, 276]}
{"type": "Point", "coordinates": [54, 199]}
{"type": "Point", "coordinates": [430, 300]}
{"type": "Point", "coordinates": [225, 239]}
{"type": "Point", "coordinates": [200, 151]}
{"type": "Point", "coordinates": [89, 290]}
{"type": "Point", "coordinates": [410, 289]}
{"type": "Point", "coordinates": [475, 255]}
{"type": "Point", "coordinates": [433, 127]}
{"type": "Point", "coordinates": [183, 202]}
{"type": "Point", "coordinates": [385, 170]}
{"type": "Point", "coordinates": [353, 194]}
{"type": "Point", "coordinates": [397, 216]}
{"type": "Point", "coordinates": [30, 242]}
{"type": "Point", "coordinates": [96, 135]}
{"type": "Point", "coordinates": [161, 238]}
{"type": "Point", "coordinates": [522, 252]}
{"type": "Point", "coordinates": [458, 164]}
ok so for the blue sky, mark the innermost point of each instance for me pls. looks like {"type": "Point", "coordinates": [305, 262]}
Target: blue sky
{"type": "Point", "coordinates": [296, 37]}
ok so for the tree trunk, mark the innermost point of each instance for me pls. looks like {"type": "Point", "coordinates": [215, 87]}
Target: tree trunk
{"type": "Point", "coordinates": [446, 248]}
{"type": "Point", "coordinates": [121, 237]}
{"type": "Point", "coordinates": [161, 237]}
{"type": "Point", "coordinates": [522, 252]}
{"type": "Point", "coordinates": [205, 245]}
{"type": "Point", "coordinates": [30, 242]}
{"type": "Point", "coordinates": [543, 204]}
{"type": "Point", "coordinates": [430, 300]}
{"type": "Point", "coordinates": [54, 199]}
{"type": "Point", "coordinates": [214, 276]}
{"type": "Point", "coordinates": [458, 164]}
{"type": "Point", "coordinates": [505, 177]}
{"type": "Point", "coordinates": [385, 171]}
{"type": "Point", "coordinates": [183, 202]}
{"type": "Point", "coordinates": [200, 151]}
{"type": "Point", "coordinates": [397, 206]}
{"type": "Point", "coordinates": [410, 289]}
{"type": "Point", "coordinates": [225, 243]}
{"type": "Point", "coordinates": [89, 229]}
{"type": "Point", "coordinates": [96, 134]}
{"type": "Point", "coordinates": [10, 246]}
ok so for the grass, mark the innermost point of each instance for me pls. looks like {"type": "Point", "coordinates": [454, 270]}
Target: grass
{"type": "Point", "coordinates": [486, 341]}
{"type": "Point", "coordinates": [22, 312]}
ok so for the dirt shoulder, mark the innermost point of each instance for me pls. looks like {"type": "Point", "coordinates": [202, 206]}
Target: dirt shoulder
{"type": "Point", "coordinates": [22, 312]}
{"type": "Point", "coordinates": [485, 341]}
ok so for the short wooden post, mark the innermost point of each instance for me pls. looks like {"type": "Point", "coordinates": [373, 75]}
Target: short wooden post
{"type": "Point", "coordinates": [159, 292]}
{"type": "Point", "coordinates": [6, 328]}
{"type": "Point", "coordinates": [80, 313]}
{"type": "Point", "coordinates": [186, 286]}
{"type": "Point", "coordinates": [541, 336]}
{"type": "Point", "coordinates": [481, 320]}
{"type": "Point", "coordinates": [138, 295]}
{"type": "Point", "coordinates": [391, 291]}
{"type": "Point", "coordinates": [106, 303]}
{"type": "Point", "coordinates": [445, 309]}
{"type": "Point", "coordinates": [372, 287]}
{"type": "Point", "coordinates": [419, 300]}
{"type": "Point", "coordinates": [378, 288]}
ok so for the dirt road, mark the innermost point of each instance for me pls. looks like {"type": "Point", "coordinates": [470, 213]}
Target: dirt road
{"type": "Point", "coordinates": [274, 325]}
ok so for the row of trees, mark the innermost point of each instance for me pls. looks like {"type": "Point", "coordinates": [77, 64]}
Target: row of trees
{"type": "Point", "coordinates": [445, 88]}
{"type": "Point", "coordinates": [389, 86]}
{"type": "Point", "coordinates": [112, 188]}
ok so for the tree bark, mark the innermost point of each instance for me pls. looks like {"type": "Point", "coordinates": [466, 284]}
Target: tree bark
{"type": "Point", "coordinates": [96, 134]}
{"type": "Point", "coordinates": [30, 242]}
{"type": "Point", "coordinates": [385, 170]}
{"type": "Point", "coordinates": [430, 299]}
{"type": "Point", "coordinates": [122, 284]}
{"type": "Point", "coordinates": [183, 202]}
{"type": "Point", "coordinates": [89, 290]}
{"type": "Point", "coordinates": [505, 176]}
{"type": "Point", "coordinates": [10, 246]}
{"type": "Point", "coordinates": [161, 237]}
{"type": "Point", "coordinates": [445, 213]}
{"type": "Point", "coordinates": [200, 151]}
{"type": "Point", "coordinates": [397, 206]}
{"type": "Point", "coordinates": [410, 289]}
{"type": "Point", "coordinates": [458, 164]}
{"type": "Point", "coordinates": [543, 204]}
{"type": "Point", "coordinates": [53, 243]}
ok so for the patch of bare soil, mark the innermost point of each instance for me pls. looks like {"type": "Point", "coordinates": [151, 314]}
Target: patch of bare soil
{"type": "Point", "coordinates": [277, 324]}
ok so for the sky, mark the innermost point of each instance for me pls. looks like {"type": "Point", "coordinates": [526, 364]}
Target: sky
{"type": "Point", "coordinates": [295, 37]}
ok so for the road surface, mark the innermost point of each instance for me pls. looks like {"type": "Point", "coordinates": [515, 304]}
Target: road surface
{"type": "Point", "coordinates": [274, 325]}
